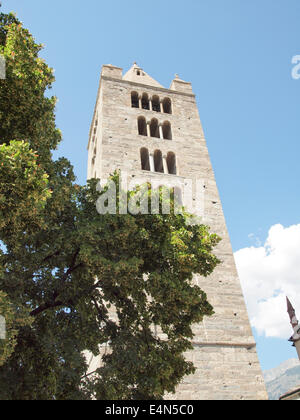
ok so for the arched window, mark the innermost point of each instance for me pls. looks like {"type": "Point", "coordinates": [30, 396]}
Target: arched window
{"type": "Point", "coordinates": [171, 163]}
{"type": "Point", "coordinates": [167, 106]}
{"type": "Point", "coordinates": [158, 161]}
{"type": "Point", "coordinates": [155, 104]}
{"type": "Point", "coordinates": [145, 101]}
{"type": "Point", "coordinates": [167, 132]}
{"type": "Point", "coordinates": [134, 100]}
{"type": "Point", "coordinates": [154, 128]}
{"type": "Point", "coordinates": [145, 159]}
{"type": "Point", "coordinates": [142, 126]}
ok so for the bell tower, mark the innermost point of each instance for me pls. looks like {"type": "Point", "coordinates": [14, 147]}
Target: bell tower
{"type": "Point", "coordinates": [149, 131]}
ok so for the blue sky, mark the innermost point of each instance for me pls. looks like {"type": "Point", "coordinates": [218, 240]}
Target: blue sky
{"type": "Point", "coordinates": [236, 53]}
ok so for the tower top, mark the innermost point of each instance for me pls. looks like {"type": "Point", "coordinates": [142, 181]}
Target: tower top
{"type": "Point", "coordinates": [137, 75]}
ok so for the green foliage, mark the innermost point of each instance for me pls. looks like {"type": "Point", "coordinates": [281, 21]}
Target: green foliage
{"type": "Point", "coordinates": [15, 318]}
{"type": "Point", "coordinates": [145, 272]}
{"type": "Point", "coordinates": [25, 112]}
{"type": "Point", "coordinates": [85, 279]}
{"type": "Point", "coordinates": [23, 185]}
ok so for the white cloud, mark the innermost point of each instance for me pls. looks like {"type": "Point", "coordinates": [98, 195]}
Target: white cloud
{"type": "Point", "coordinates": [268, 274]}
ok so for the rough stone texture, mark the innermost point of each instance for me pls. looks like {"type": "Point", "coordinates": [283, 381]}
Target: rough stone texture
{"type": "Point", "coordinates": [224, 348]}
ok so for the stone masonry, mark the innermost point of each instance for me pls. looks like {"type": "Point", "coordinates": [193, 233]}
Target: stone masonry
{"type": "Point", "coordinates": [224, 348]}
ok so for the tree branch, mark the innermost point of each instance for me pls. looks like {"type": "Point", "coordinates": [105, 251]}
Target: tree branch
{"type": "Point", "coordinates": [54, 304]}
{"type": "Point", "coordinates": [100, 312]}
{"type": "Point", "coordinates": [46, 306]}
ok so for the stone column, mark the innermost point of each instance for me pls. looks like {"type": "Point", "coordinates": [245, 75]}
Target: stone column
{"type": "Point", "coordinates": [166, 171]}
{"type": "Point", "coordinates": [161, 134]}
{"type": "Point", "coordinates": [150, 104]}
{"type": "Point", "coordinates": [161, 106]}
{"type": "Point", "coordinates": [148, 129]}
{"type": "Point", "coordinates": [151, 161]}
{"type": "Point", "coordinates": [140, 101]}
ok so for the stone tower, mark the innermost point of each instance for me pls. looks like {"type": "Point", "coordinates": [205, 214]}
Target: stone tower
{"type": "Point", "coordinates": [149, 131]}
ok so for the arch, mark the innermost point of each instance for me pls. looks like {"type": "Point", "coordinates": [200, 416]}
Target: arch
{"type": "Point", "coordinates": [158, 161]}
{"type": "Point", "coordinates": [145, 101]}
{"type": "Point", "coordinates": [167, 106]}
{"type": "Point", "coordinates": [142, 126]}
{"type": "Point", "coordinates": [154, 128]}
{"type": "Point", "coordinates": [145, 164]}
{"type": "Point", "coordinates": [155, 103]}
{"type": "Point", "coordinates": [171, 163]}
{"type": "Point", "coordinates": [134, 100]}
{"type": "Point", "coordinates": [167, 132]}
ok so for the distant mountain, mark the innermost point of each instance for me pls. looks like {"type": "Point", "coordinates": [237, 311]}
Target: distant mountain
{"type": "Point", "coordinates": [283, 378]}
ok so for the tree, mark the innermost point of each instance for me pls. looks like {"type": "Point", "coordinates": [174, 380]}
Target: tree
{"type": "Point", "coordinates": [23, 191]}
{"type": "Point", "coordinates": [27, 133]}
{"type": "Point", "coordinates": [69, 267]}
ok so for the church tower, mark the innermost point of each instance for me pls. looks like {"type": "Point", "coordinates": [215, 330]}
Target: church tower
{"type": "Point", "coordinates": [149, 131]}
